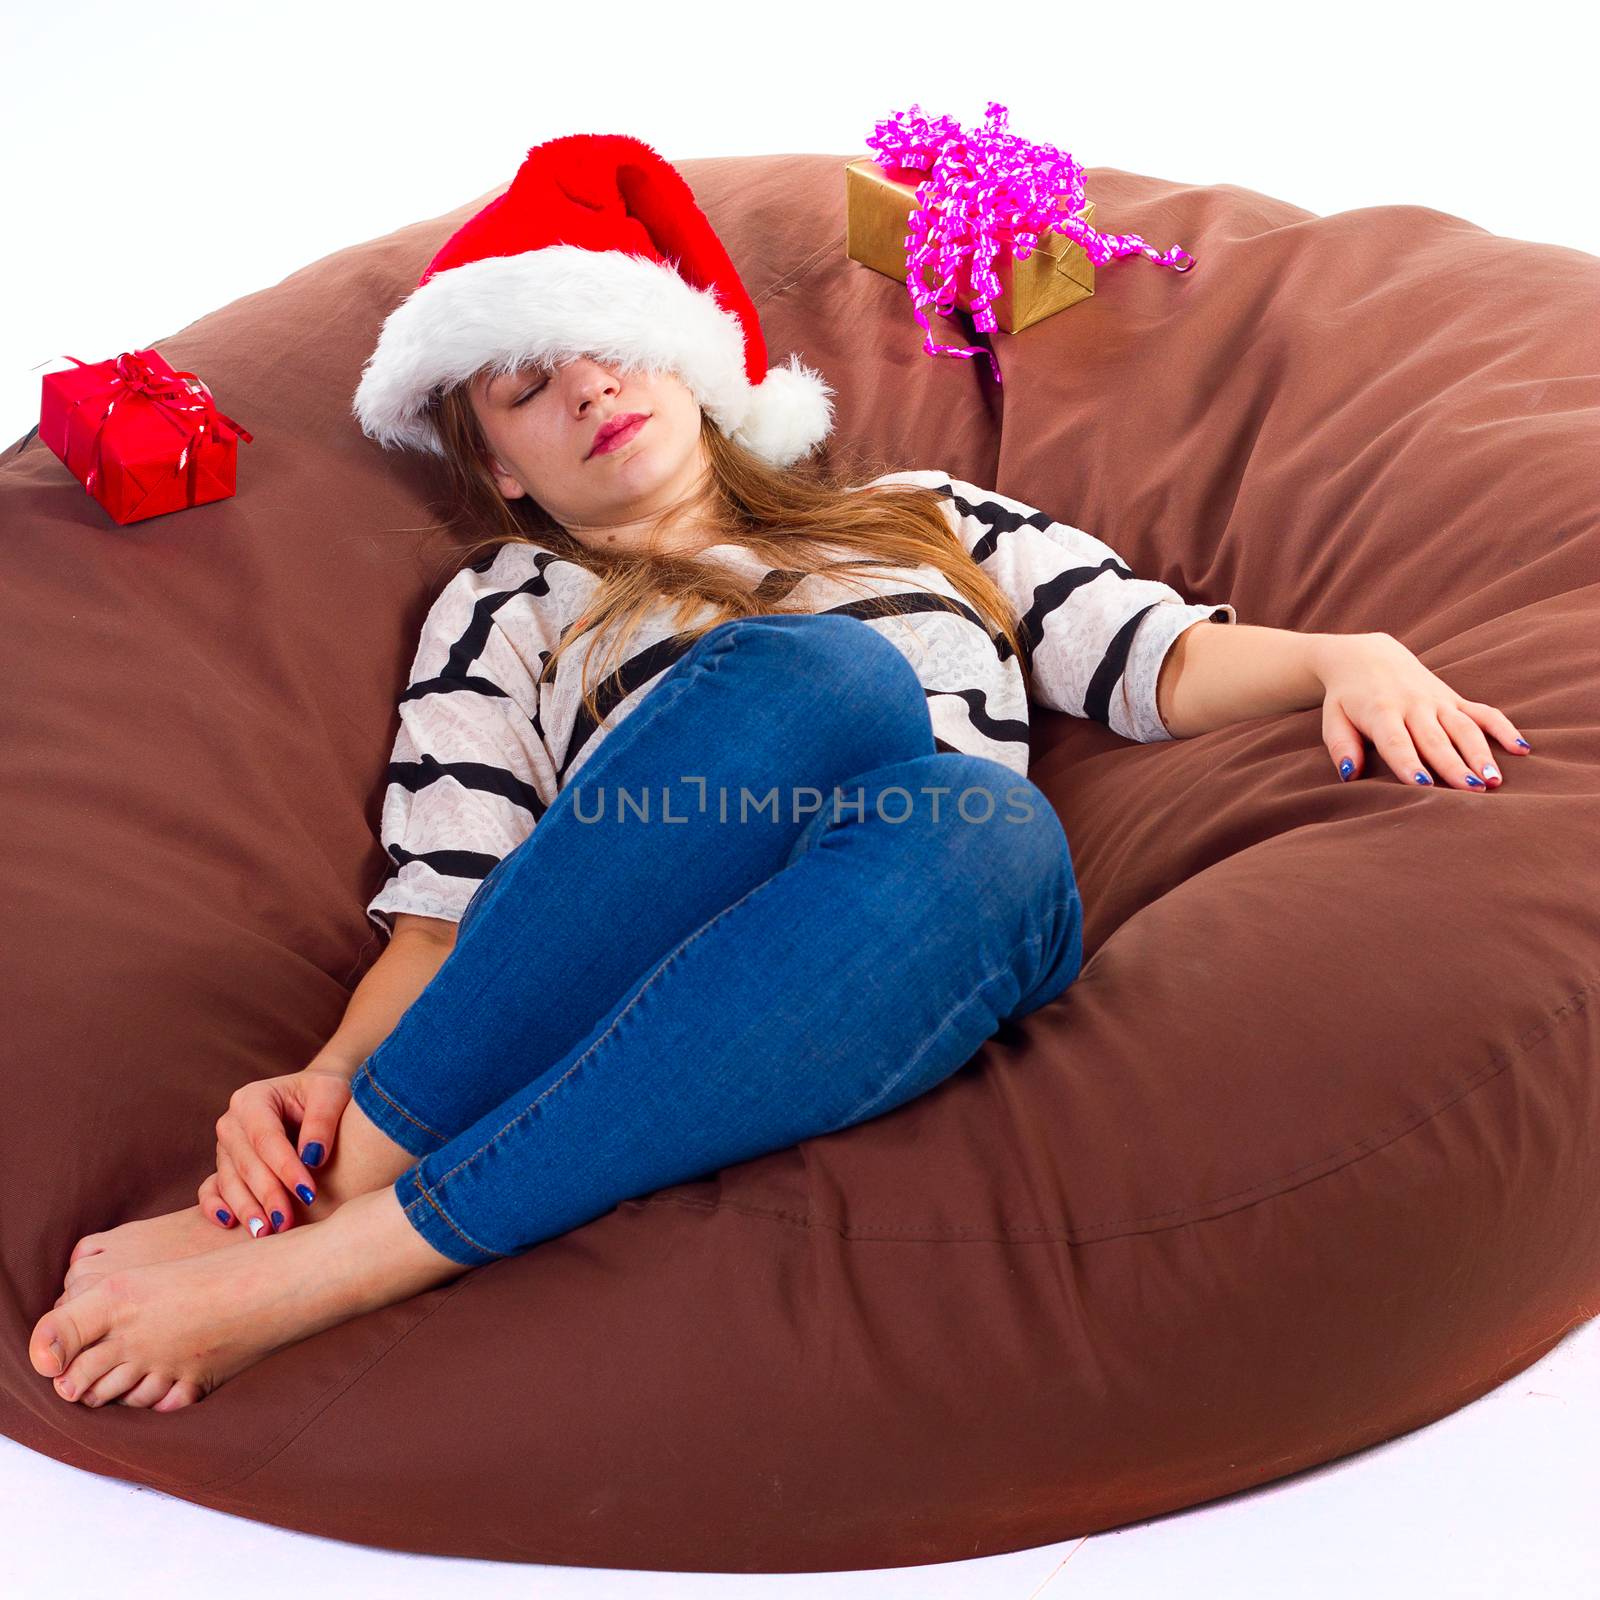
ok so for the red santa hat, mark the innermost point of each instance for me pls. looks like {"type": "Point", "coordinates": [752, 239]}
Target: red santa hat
{"type": "Point", "coordinates": [598, 249]}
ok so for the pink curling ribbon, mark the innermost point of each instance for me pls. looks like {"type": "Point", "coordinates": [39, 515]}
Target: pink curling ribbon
{"type": "Point", "coordinates": [181, 397]}
{"type": "Point", "coordinates": [984, 189]}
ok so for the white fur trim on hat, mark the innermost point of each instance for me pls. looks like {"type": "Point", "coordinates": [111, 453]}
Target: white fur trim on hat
{"type": "Point", "coordinates": [506, 312]}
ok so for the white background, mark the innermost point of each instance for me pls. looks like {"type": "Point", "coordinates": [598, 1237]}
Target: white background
{"type": "Point", "coordinates": [163, 161]}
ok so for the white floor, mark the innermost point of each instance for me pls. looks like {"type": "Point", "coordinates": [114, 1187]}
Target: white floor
{"type": "Point", "coordinates": [1498, 1500]}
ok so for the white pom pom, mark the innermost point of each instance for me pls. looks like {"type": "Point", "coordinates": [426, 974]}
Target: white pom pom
{"type": "Point", "coordinates": [790, 413]}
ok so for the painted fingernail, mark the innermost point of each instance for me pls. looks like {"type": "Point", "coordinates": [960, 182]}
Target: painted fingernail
{"type": "Point", "coordinates": [256, 1225]}
{"type": "Point", "coordinates": [312, 1154]}
{"type": "Point", "coordinates": [1422, 777]}
{"type": "Point", "coordinates": [1475, 783]}
{"type": "Point", "coordinates": [304, 1192]}
{"type": "Point", "coordinates": [1492, 772]}
{"type": "Point", "coordinates": [277, 1220]}
{"type": "Point", "coordinates": [1524, 743]}
{"type": "Point", "coordinates": [1346, 767]}
{"type": "Point", "coordinates": [223, 1215]}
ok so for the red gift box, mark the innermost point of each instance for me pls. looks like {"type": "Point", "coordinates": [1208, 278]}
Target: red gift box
{"type": "Point", "coordinates": [140, 437]}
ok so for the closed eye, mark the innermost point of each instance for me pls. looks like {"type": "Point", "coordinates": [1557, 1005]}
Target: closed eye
{"type": "Point", "coordinates": [528, 396]}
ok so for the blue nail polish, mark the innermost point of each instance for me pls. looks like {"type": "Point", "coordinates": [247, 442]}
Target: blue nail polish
{"type": "Point", "coordinates": [304, 1193]}
{"type": "Point", "coordinates": [1346, 767]}
{"type": "Point", "coordinates": [224, 1215]}
{"type": "Point", "coordinates": [277, 1220]}
{"type": "Point", "coordinates": [1524, 743]}
{"type": "Point", "coordinates": [1422, 777]}
{"type": "Point", "coordinates": [312, 1154]}
{"type": "Point", "coordinates": [1475, 783]}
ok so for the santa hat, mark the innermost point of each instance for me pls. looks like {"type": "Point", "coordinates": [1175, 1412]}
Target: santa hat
{"type": "Point", "coordinates": [599, 249]}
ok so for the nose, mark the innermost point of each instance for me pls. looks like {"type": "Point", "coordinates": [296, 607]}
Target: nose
{"type": "Point", "coordinates": [594, 376]}
{"type": "Point", "coordinates": [592, 383]}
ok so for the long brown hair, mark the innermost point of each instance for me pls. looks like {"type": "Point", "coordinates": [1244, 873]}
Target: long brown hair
{"type": "Point", "coordinates": [788, 516]}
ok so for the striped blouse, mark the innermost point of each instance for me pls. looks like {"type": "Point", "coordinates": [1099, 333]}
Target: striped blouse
{"type": "Point", "coordinates": [479, 754]}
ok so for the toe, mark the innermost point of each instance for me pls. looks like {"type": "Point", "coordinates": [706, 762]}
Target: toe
{"type": "Point", "coordinates": [122, 1377]}
{"type": "Point", "coordinates": [53, 1343]}
{"type": "Point", "coordinates": [90, 1244]}
{"type": "Point", "coordinates": [92, 1364]}
{"type": "Point", "coordinates": [77, 1281]}
{"type": "Point", "coordinates": [62, 1334]}
{"type": "Point", "coordinates": [183, 1393]}
{"type": "Point", "coordinates": [83, 1267]}
{"type": "Point", "coordinates": [152, 1387]}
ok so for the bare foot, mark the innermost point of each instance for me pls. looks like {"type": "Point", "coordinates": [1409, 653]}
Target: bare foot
{"type": "Point", "coordinates": [364, 1159]}
{"type": "Point", "coordinates": [165, 1334]}
{"type": "Point", "coordinates": [135, 1244]}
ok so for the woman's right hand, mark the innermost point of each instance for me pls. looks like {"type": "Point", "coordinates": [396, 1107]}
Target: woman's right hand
{"type": "Point", "coordinates": [258, 1169]}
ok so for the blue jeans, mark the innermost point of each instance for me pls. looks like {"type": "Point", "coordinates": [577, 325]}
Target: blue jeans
{"type": "Point", "coordinates": [640, 995]}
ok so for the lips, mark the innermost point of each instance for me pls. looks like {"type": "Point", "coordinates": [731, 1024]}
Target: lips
{"type": "Point", "coordinates": [617, 431]}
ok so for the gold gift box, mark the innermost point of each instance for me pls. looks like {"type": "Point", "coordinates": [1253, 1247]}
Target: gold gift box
{"type": "Point", "coordinates": [877, 219]}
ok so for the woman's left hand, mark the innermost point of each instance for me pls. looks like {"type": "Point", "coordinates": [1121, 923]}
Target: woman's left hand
{"type": "Point", "coordinates": [1377, 688]}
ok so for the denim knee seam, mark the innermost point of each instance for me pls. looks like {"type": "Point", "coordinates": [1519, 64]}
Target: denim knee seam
{"type": "Point", "coordinates": [395, 1106]}
{"type": "Point", "coordinates": [939, 1031]}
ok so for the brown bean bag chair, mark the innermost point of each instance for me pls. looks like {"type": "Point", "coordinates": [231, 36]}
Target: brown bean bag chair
{"type": "Point", "coordinates": [1303, 1160]}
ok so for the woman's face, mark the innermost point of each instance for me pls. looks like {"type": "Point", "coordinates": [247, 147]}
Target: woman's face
{"type": "Point", "coordinates": [541, 425]}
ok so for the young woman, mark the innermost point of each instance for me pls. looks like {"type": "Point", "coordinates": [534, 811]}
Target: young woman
{"type": "Point", "coordinates": [708, 811]}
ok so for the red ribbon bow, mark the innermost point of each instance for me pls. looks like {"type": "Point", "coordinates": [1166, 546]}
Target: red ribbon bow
{"type": "Point", "coordinates": [181, 397]}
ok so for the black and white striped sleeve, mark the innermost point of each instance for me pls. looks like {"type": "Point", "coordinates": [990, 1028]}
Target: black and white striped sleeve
{"type": "Point", "coordinates": [1097, 634]}
{"type": "Point", "coordinates": [469, 775]}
